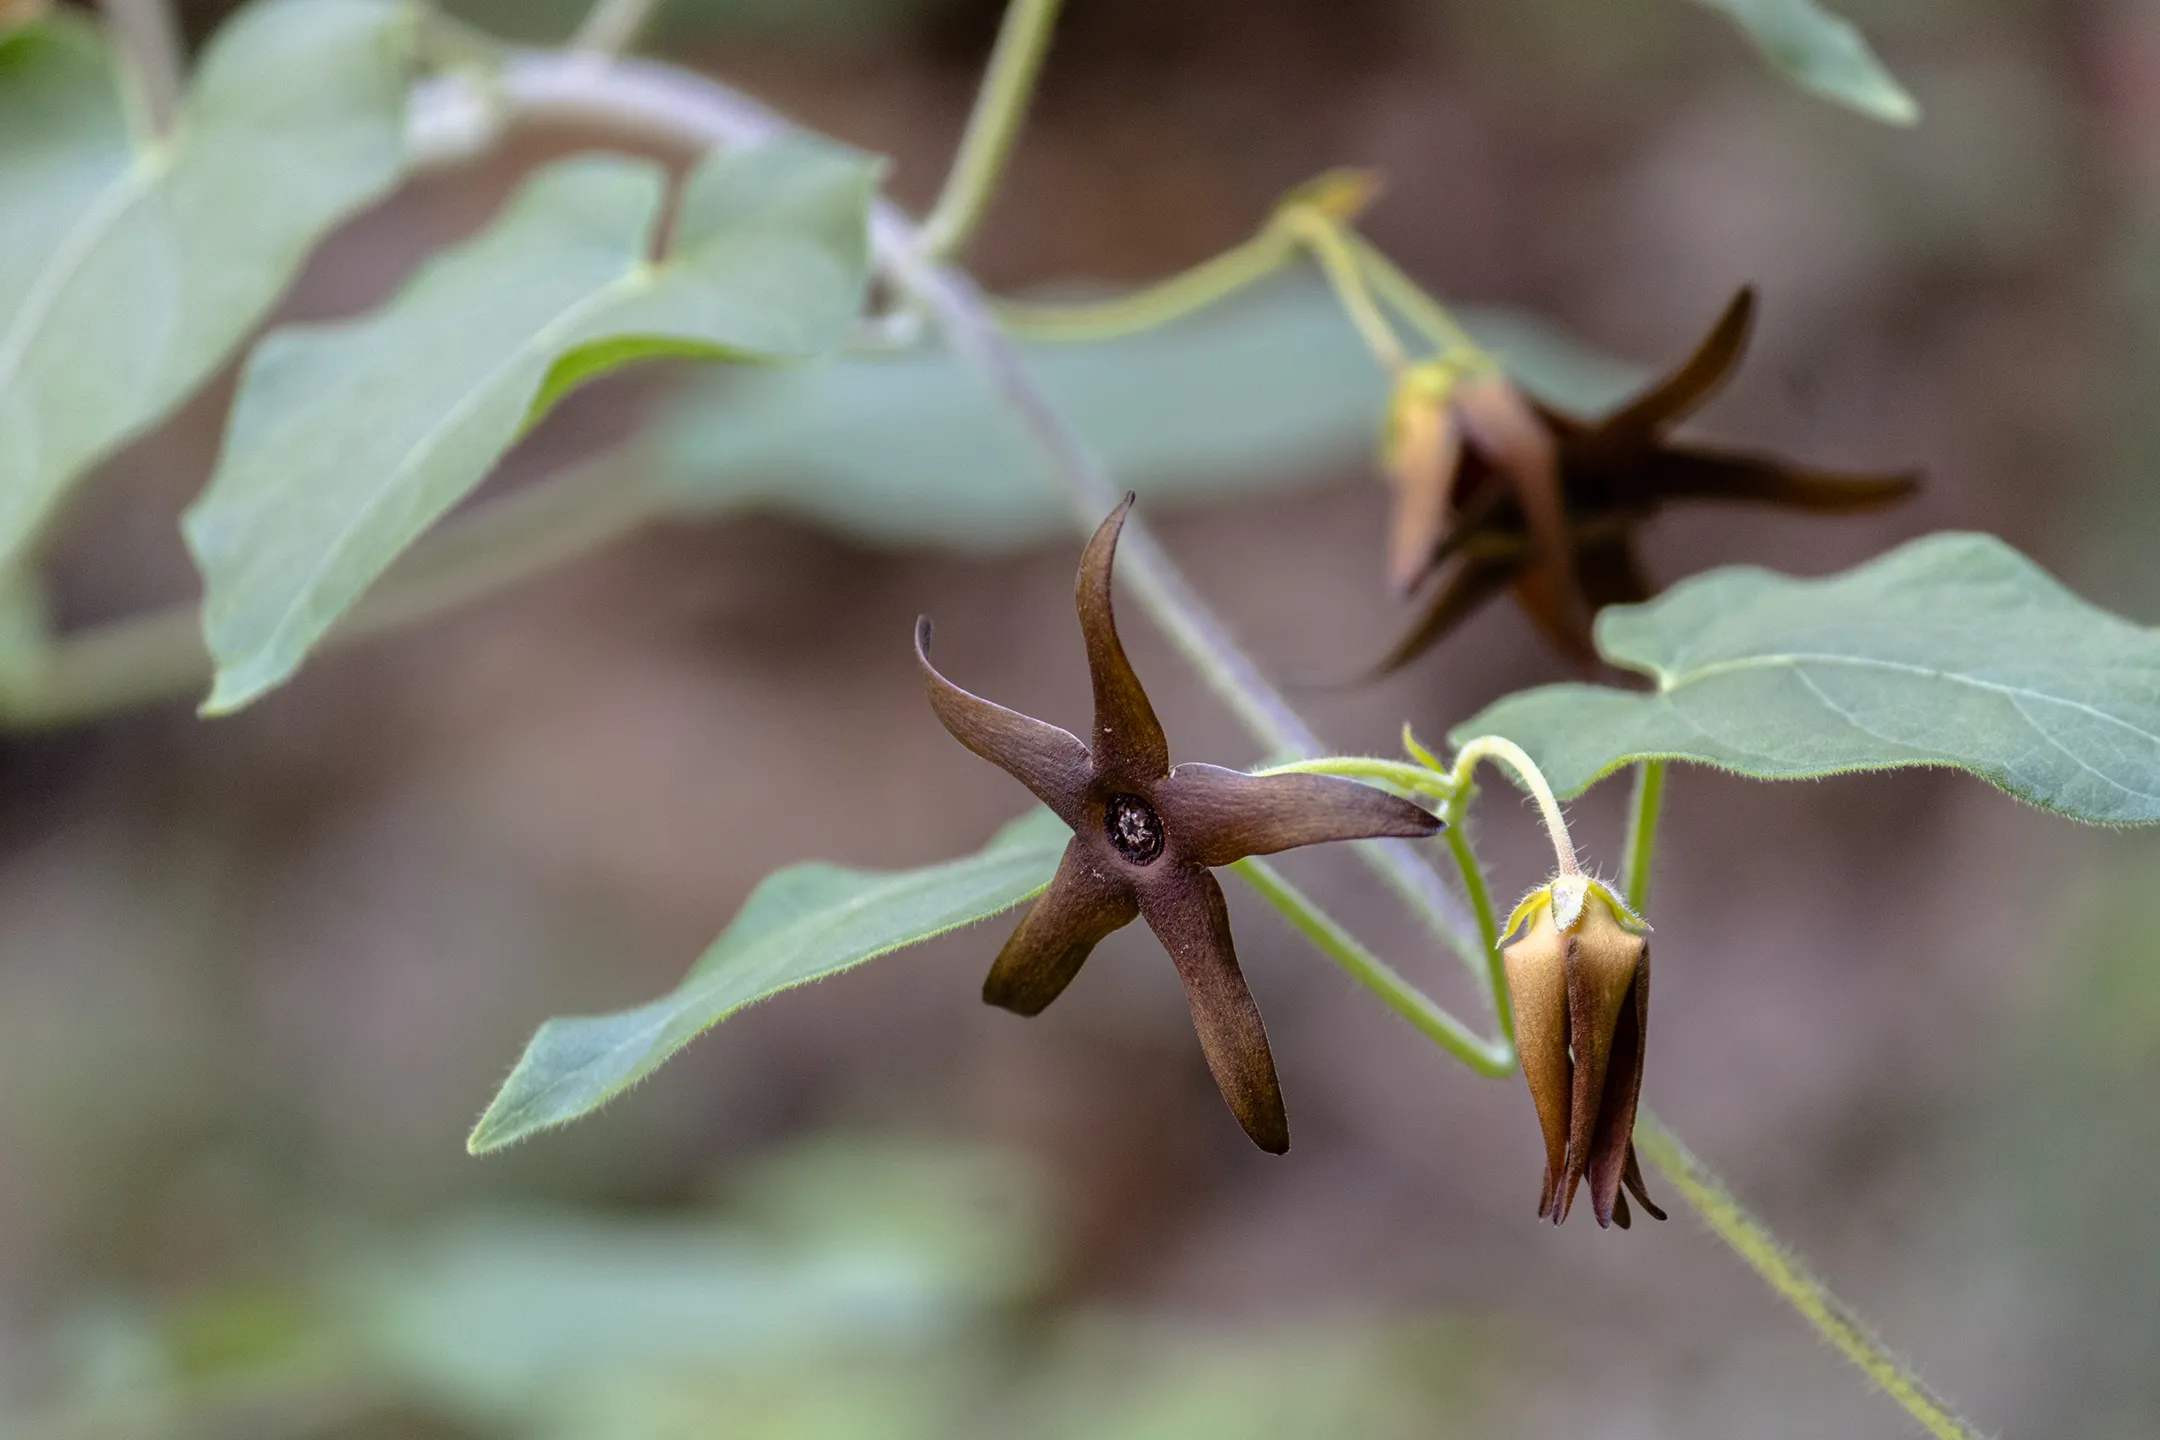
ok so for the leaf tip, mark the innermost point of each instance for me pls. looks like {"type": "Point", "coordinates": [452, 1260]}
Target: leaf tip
{"type": "Point", "coordinates": [231, 692]}
{"type": "Point", "coordinates": [490, 1134]}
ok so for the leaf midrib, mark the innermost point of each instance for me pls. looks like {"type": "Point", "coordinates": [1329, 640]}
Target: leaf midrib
{"type": "Point", "coordinates": [1669, 683]}
{"type": "Point", "coordinates": [418, 452]}
{"type": "Point", "coordinates": [96, 221]}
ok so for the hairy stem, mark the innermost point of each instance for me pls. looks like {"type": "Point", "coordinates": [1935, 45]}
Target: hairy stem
{"type": "Point", "coordinates": [149, 37]}
{"type": "Point", "coordinates": [1473, 878]}
{"type": "Point", "coordinates": [1749, 1237]}
{"type": "Point", "coordinates": [160, 656]}
{"type": "Point", "coordinates": [1001, 105]}
{"type": "Point", "coordinates": [1644, 806]}
{"type": "Point", "coordinates": [1492, 1058]}
{"type": "Point", "coordinates": [1526, 772]}
{"type": "Point", "coordinates": [612, 26]}
{"type": "Point", "coordinates": [1083, 322]}
{"type": "Point", "coordinates": [1784, 1273]}
{"type": "Point", "coordinates": [1401, 774]}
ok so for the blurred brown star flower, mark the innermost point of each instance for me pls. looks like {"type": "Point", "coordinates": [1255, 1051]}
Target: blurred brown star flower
{"type": "Point", "coordinates": [1144, 838]}
{"type": "Point", "coordinates": [1579, 982]}
{"type": "Point", "coordinates": [1508, 504]}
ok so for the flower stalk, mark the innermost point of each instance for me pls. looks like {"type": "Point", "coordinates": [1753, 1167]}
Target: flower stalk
{"type": "Point", "coordinates": [1503, 751]}
{"type": "Point", "coordinates": [1001, 106]}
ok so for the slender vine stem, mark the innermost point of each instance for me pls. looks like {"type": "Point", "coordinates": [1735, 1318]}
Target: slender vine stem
{"type": "Point", "coordinates": [1401, 774]}
{"type": "Point", "coordinates": [1205, 284]}
{"type": "Point", "coordinates": [149, 37]}
{"type": "Point", "coordinates": [1412, 302]}
{"type": "Point", "coordinates": [1644, 805]}
{"type": "Point", "coordinates": [1327, 239]}
{"type": "Point", "coordinates": [612, 26]}
{"type": "Point", "coordinates": [676, 106]}
{"type": "Point", "coordinates": [1729, 1219]}
{"type": "Point", "coordinates": [1516, 759]}
{"type": "Point", "coordinates": [1784, 1273]}
{"type": "Point", "coordinates": [160, 656]}
{"type": "Point", "coordinates": [1001, 104]}
{"type": "Point", "coordinates": [1491, 1058]}
{"type": "Point", "coordinates": [1473, 878]}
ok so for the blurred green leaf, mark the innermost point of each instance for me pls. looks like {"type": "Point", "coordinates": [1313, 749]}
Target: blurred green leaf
{"type": "Point", "coordinates": [349, 440]}
{"type": "Point", "coordinates": [1349, 1380]}
{"type": "Point", "coordinates": [129, 269]}
{"type": "Point", "coordinates": [1266, 390]}
{"type": "Point", "coordinates": [977, 1217]}
{"type": "Point", "coordinates": [909, 448]}
{"type": "Point", "coordinates": [800, 924]}
{"type": "Point", "coordinates": [1823, 53]}
{"type": "Point", "coordinates": [847, 1245]}
{"type": "Point", "coordinates": [1951, 650]}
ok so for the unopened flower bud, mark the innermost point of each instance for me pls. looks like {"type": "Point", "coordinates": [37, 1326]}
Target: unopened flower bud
{"type": "Point", "coordinates": [1579, 979]}
{"type": "Point", "coordinates": [1421, 453]}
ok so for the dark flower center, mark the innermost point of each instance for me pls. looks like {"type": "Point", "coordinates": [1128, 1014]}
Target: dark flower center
{"type": "Point", "coordinates": [1134, 828]}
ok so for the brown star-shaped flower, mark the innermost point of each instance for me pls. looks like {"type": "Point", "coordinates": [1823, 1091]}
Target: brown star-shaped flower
{"type": "Point", "coordinates": [1497, 520]}
{"type": "Point", "coordinates": [1144, 838]}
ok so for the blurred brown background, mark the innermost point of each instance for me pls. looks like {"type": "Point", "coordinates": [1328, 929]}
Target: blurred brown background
{"type": "Point", "coordinates": [257, 975]}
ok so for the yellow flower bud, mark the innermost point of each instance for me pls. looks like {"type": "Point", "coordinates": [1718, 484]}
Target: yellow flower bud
{"type": "Point", "coordinates": [1579, 982]}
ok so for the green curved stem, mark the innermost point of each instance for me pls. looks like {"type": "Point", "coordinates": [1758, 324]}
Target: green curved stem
{"type": "Point", "coordinates": [1749, 1237]}
{"type": "Point", "coordinates": [1210, 281]}
{"type": "Point", "coordinates": [1410, 300]}
{"type": "Point", "coordinates": [1473, 878]}
{"type": "Point", "coordinates": [1491, 1058]}
{"type": "Point", "coordinates": [1784, 1273]}
{"type": "Point", "coordinates": [1644, 806]}
{"type": "Point", "coordinates": [1001, 105]}
{"type": "Point", "coordinates": [1399, 773]}
{"type": "Point", "coordinates": [1506, 752]}
{"type": "Point", "coordinates": [1328, 241]}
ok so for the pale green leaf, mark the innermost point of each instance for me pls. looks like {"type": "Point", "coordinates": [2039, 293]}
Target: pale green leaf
{"type": "Point", "coordinates": [1823, 53]}
{"type": "Point", "coordinates": [1952, 650]}
{"type": "Point", "coordinates": [129, 271]}
{"type": "Point", "coordinates": [1263, 391]}
{"type": "Point", "coordinates": [800, 924]}
{"type": "Point", "coordinates": [349, 440]}
{"type": "Point", "coordinates": [835, 1243]}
